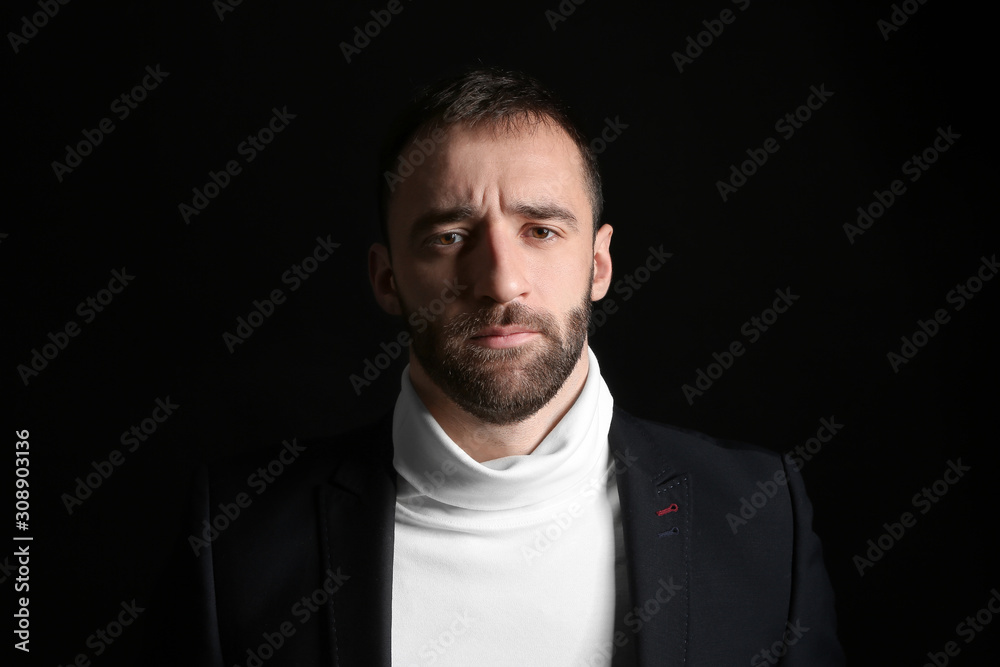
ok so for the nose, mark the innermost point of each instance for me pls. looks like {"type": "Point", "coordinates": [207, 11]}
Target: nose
{"type": "Point", "coordinates": [497, 265]}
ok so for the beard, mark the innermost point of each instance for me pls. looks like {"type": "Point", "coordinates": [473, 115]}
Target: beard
{"type": "Point", "coordinates": [506, 385]}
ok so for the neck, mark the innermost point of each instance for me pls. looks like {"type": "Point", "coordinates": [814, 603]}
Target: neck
{"type": "Point", "coordinates": [484, 441]}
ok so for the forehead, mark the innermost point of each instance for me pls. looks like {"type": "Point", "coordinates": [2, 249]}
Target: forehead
{"type": "Point", "coordinates": [482, 165]}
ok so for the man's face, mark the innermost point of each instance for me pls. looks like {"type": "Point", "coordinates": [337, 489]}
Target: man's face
{"type": "Point", "coordinates": [504, 219]}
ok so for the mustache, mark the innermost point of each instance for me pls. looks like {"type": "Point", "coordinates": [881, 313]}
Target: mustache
{"type": "Point", "coordinates": [467, 325]}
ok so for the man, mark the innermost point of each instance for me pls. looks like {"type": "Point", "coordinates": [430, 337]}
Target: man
{"type": "Point", "coordinates": [508, 513]}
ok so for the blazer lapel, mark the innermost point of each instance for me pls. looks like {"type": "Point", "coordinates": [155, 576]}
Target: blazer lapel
{"type": "Point", "coordinates": [356, 515]}
{"type": "Point", "coordinates": [656, 523]}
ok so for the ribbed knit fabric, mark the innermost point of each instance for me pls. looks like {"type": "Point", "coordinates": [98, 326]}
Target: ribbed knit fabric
{"type": "Point", "coordinates": [508, 562]}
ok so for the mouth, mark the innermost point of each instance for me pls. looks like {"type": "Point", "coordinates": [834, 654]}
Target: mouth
{"type": "Point", "coordinates": [502, 337]}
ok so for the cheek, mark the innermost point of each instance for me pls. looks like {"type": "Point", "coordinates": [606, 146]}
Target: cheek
{"type": "Point", "coordinates": [411, 282]}
{"type": "Point", "coordinates": [563, 279]}
{"type": "Point", "coordinates": [429, 294]}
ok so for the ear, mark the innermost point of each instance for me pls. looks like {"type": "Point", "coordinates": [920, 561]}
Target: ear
{"type": "Point", "coordinates": [383, 281]}
{"type": "Point", "coordinates": [602, 263]}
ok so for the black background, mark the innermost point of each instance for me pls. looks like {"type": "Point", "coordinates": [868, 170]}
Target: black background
{"type": "Point", "coordinates": [826, 357]}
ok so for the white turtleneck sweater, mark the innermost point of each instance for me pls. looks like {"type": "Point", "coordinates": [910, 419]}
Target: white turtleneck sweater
{"type": "Point", "coordinates": [511, 561]}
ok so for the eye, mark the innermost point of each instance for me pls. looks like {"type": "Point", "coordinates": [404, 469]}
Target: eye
{"type": "Point", "coordinates": [448, 238]}
{"type": "Point", "coordinates": [541, 233]}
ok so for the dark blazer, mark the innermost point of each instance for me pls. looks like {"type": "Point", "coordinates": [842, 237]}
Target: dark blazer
{"type": "Point", "coordinates": [303, 574]}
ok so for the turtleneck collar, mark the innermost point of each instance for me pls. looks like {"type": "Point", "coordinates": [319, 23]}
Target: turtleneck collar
{"type": "Point", "coordinates": [432, 465]}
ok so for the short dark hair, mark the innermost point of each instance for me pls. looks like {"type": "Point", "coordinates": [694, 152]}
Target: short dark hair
{"type": "Point", "coordinates": [493, 97]}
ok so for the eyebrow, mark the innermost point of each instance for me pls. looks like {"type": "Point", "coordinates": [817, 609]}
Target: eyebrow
{"type": "Point", "coordinates": [438, 216]}
{"type": "Point", "coordinates": [535, 211]}
{"type": "Point", "coordinates": [546, 211]}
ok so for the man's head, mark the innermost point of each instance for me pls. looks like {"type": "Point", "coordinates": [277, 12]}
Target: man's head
{"type": "Point", "coordinates": [490, 215]}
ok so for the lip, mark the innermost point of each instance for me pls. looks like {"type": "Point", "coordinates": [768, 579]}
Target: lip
{"type": "Point", "coordinates": [501, 337]}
